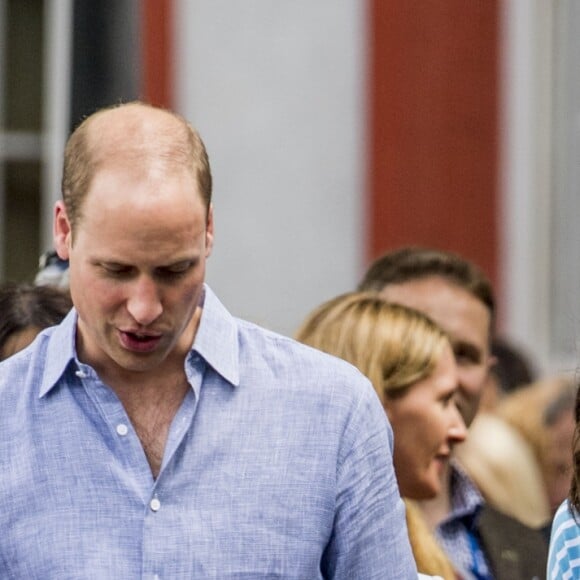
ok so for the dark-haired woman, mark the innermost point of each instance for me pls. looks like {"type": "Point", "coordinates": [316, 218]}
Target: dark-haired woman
{"type": "Point", "coordinates": [564, 556]}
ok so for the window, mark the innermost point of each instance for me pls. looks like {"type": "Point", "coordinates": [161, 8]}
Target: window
{"type": "Point", "coordinates": [60, 60]}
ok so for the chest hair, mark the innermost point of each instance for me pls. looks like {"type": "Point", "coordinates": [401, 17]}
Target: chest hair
{"type": "Point", "coordinates": [151, 411]}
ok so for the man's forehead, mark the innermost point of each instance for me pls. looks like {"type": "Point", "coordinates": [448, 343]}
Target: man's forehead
{"type": "Point", "coordinates": [454, 308]}
{"type": "Point", "coordinates": [132, 117]}
{"type": "Point", "coordinates": [134, 131]}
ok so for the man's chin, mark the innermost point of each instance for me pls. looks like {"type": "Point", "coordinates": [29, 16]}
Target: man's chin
{"type": "Point", "coordinates": [138, 362]}
{"type": "Point", "coordinates": [467, 412]}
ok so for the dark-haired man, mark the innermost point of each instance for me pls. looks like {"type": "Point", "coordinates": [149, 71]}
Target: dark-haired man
{"type": "Point", "coordinates": [481, 542]}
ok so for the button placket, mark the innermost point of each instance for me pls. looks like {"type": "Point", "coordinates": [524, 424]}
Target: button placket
{"type": "Point", "coordinates": [122, 429]}
{"type": "Point", "coordinates": [155, 504]}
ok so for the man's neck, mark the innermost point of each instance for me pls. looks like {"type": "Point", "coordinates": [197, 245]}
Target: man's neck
{"type": "Point", "coordinates": [151, 407]}
{"type": "Point", "coordinates": [437, 509]}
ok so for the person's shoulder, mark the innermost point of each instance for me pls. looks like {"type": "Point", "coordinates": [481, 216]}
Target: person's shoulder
{"type": "Point", "coordinates": [566, 522]}
{"type": "Point", "coordinates": [493, 517]}
{"type": "Point", "coordinates": [284, 350]}
{"type": "Point", "coordinates": [564, 512]}
{"type": "Point", "coordinates": [328, 388]}
{"type": "Point", "coordinates": [512, 547]}
{"type": "Point", "coordinates": [17, 364]}
{"type": "Point", "coordinates": [263, 359]}
{"type": "Point", "coordinates": [564, 555]}
{"type": "Point", "coordinates": [506, 529]}
{"type": "Point", "coordinates": [15, 373]}
{"type": "Point", "coordinates": [25, 367]}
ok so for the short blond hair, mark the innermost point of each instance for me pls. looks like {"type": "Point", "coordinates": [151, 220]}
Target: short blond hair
{"type": "Point", "coordinates": [97, 141]}
{"type": "Point", "coordinates": [393, 345]}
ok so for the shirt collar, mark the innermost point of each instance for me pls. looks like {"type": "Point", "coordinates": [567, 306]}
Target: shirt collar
{"type": "Point", "coordinates": [216, 342]}
{"type": "Point", "coordinates": [466, 499]}
{"type": "Point", "coordinates": [59, 352]}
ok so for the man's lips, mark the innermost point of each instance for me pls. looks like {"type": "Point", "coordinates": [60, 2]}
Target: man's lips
{"type": "Point", "coordinates": [139, 341]}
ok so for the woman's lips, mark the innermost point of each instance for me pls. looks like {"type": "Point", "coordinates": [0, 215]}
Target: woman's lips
{"type": "Point", "coordinates": [441, 460]}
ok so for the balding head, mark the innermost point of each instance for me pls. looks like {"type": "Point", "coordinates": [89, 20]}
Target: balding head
{"type": "Point", "coordinates": [146, 137]}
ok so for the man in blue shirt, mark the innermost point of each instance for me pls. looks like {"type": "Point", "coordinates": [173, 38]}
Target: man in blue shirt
{"type": "Point", "coordinates": [153, 435]}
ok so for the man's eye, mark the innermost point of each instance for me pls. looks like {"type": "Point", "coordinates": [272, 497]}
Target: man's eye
{"type": "Point", "coordinates": [466, 357]}
{"type": "Point", "coordinates": [172, 273]}
{"type": "Point", "coordinates": [450, 397]}
{"type": "Point", "coordinates": [562, 468]}
{"type": "Point", "coordinates": [116, 270]}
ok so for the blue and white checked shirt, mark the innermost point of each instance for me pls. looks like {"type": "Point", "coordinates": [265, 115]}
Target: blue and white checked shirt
{"type": "Point", "coordinates": [453, 531]}
{"type": "Point", "coordinates": [564, 554]}
{"type": "Point", "coordinates": [278, 465]}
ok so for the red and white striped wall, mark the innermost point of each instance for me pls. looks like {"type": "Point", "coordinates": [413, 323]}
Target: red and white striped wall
{"type": "Point", "coordinates": [338, 131]}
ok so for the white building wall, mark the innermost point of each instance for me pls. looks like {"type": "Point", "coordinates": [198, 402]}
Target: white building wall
{"type": "Point", "coordinates": [277, 91]}
{"type": "Point", "coordinates": [525, 173]}
{"type": "Point", "coordinates": [540, 281]}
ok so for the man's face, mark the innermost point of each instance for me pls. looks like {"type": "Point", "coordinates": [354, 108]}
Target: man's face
{"type": "Point", "coordinates": [137, 266]}
{"type": "Point", "coordinates": [467, 322]}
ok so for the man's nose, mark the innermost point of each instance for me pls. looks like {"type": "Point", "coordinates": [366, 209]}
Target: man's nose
{"type": "Point", "coordinates": [144, 302]}
{"type": "Point", "coordinates": [457, 430]}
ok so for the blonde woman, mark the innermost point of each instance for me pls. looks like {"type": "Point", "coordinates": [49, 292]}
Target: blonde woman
{"type": "Point", "coordinates": [409, 361]}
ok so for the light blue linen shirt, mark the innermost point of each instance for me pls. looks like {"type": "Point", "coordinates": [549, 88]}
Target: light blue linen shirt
{"type": "Point", "coordinates": [278, 464]}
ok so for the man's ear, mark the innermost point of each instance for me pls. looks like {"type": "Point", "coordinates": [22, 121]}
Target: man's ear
{"type": "Point", "coordinates": [209, 231]}
{"type": "Point", "coordinates": [491, 362]}
{"type": "Point", "coordinates": [62, 232]}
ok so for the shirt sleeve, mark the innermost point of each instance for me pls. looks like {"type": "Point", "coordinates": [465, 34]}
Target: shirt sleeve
{"type": "Point", "coordinates": [564, 551]}
{"type": "Point", "coordinates": [369, 538]}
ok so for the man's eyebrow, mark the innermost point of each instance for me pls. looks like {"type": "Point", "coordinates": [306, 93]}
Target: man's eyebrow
{"type": "Point", "coordinates": [466, 347]}
{"type": "Point", "coordinates": [179, 266]}
{"type": "Point", "coordinates": [181, 262]}
{"type": "Point", "coordinates": [107, 261]}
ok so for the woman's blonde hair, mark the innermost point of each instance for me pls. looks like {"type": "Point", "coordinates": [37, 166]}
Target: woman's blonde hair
{"type": "Point", "coordinates": [394, 346]}
{"type": "Point", "coordinates": [429, 556]}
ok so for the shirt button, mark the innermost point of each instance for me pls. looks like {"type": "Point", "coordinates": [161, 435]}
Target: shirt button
{"type": "Point", "coordinates": [155, 504]}
{"type": "Point", "coordinates": [122, 429]}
